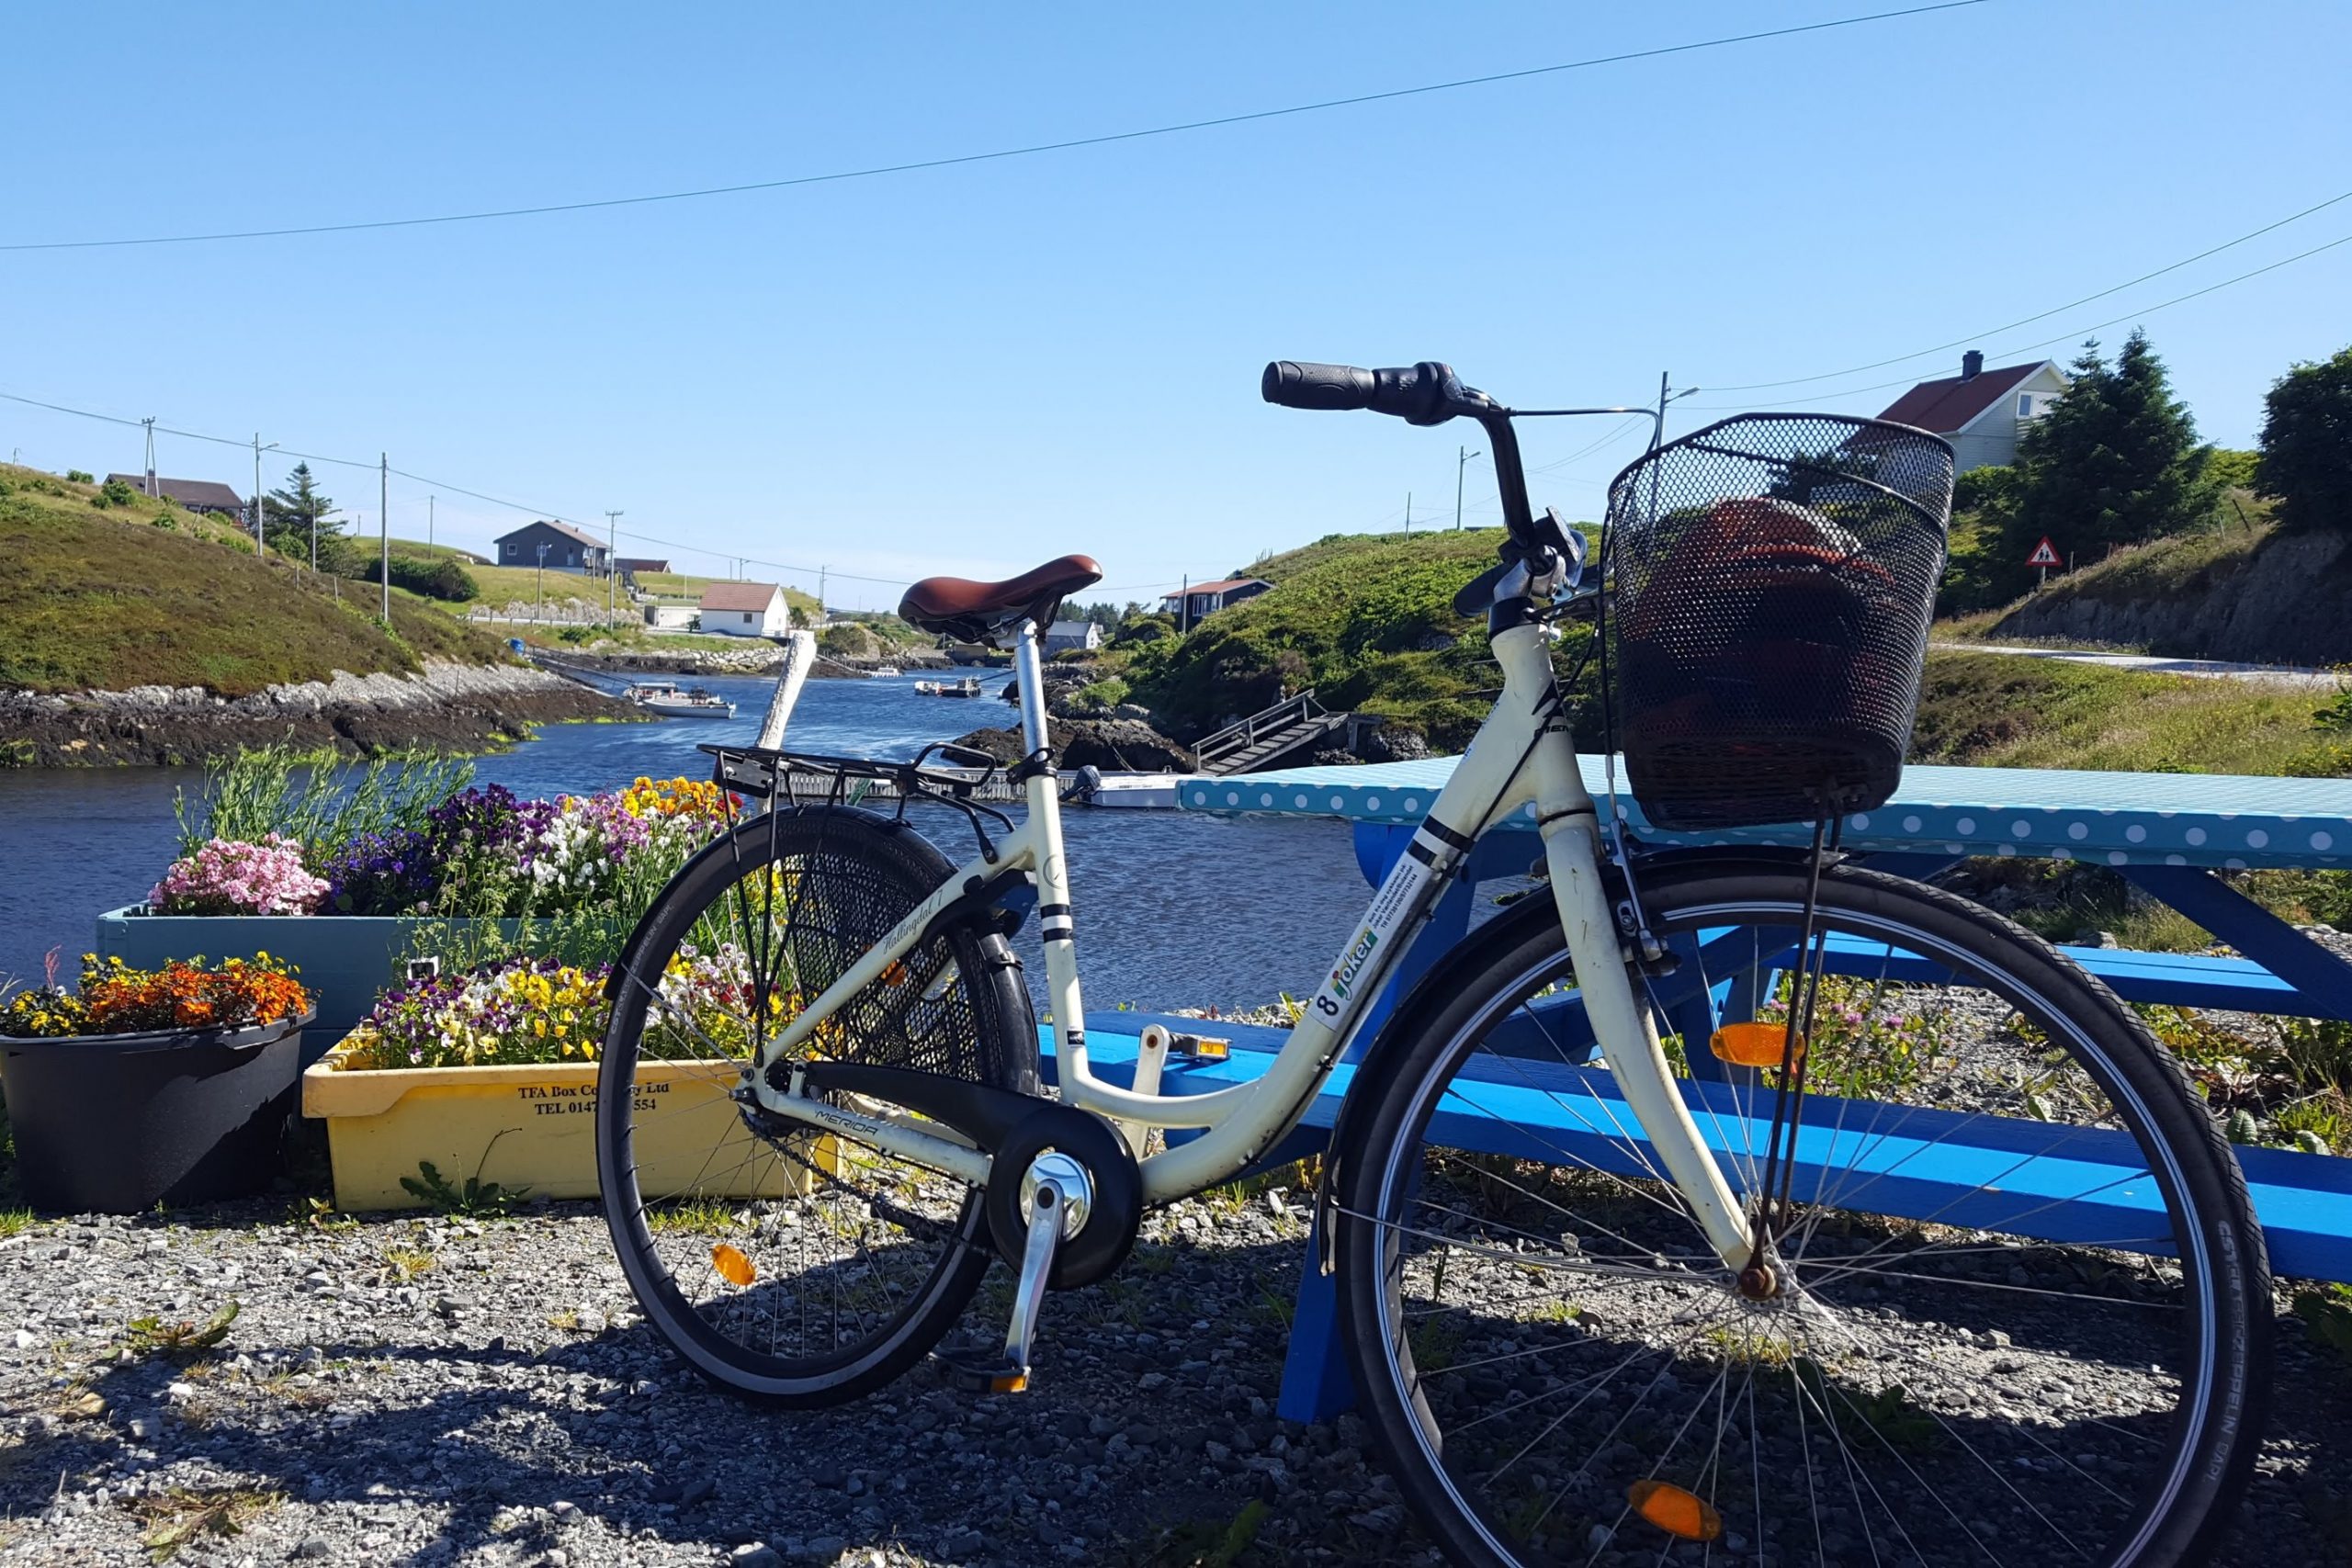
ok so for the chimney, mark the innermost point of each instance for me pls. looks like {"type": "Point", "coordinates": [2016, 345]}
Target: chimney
{"type": "Point", "coordinates": [1972, 364]}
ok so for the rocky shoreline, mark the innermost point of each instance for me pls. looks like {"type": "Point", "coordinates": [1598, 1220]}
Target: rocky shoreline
{"type": "Point", "coordinates": [447, 706]}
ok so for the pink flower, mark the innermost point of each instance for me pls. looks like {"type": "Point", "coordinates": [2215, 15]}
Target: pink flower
{"type": "Point", "coordinates": [228, 876]}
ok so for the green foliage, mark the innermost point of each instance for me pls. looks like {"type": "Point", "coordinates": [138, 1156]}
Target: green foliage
{"type": "Point", "coordinates": [2307, 444]}
{"type": "Point", "coordinates": [1101, 696]}
{"type": "Point", "coordinates": [476, 1199]}
{"type": "Point", "coordinates": [293, 515]}
{"type": "Point", "coordinates": [115, 493]}
{"type": "Point", "coordinates": [2327, 1316]}
{"type": "Point", "coordinates": [1139, 629]}
{"type": "Point", "coordinates": [2116, 460]}
{"type": "Point", "coordinates": [310, 797]}
{"type": "Point", "coordinates": [2231, 467]}
{"type": "Point", "coordinates": [81, 477]}
{"type": "Point", "coordinates": [1989, 544]}
{"type": "Point", "coordinates": [156, 1337]}
{"type": "Point", "coordinates": [441, 578]}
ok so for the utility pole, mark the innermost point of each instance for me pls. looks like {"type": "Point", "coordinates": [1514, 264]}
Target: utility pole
{"type": "Point", "coordinates": [1408, 515]}
{"type": "Point", "coordinates": [1184, 605]}
{"type": "Point", "coordinates": [1462, 456]}
{"type": "Point", "coordinates": [149, 482]}
{"type": "Point", "coordinates": [612, 569]}
{"type": "Point", "coordinates": [428, 520]}
{"type": "Point", "coordinates": [539, 590]}
{"type": "Point", "coordinates": [315, 539]}
{"type": "Point", "coordinates": [258, 450]}
{"type": "Point", "coordinates": [821, 570]}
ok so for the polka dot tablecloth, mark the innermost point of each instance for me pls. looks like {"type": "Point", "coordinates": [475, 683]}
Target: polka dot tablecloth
{"type": "Point", "coordinates": [2212, 819]}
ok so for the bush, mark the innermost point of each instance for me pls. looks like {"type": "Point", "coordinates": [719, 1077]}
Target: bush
{"type": "Point", "coordinates": [116, 492]}
{"type": "Point", "coordinates": [80, 478]}
{"type": "Point", "coordinates": [441, 579]}
{"type": "Point", "coordinates": [2306, 459]}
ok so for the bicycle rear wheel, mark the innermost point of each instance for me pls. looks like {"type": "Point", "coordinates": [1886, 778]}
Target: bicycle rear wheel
{"type": "Point", "coordinates": [788, 1266]}
{"type": "Point", "coordinates": [2023, 1308]}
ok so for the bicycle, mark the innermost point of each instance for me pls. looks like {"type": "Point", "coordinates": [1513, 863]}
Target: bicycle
{"type": "Point", "coordinates": [1625, 1199]}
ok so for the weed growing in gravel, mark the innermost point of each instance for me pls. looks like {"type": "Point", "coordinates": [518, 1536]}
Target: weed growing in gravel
{"type": "Point", "coordinates": [182, 1516]}
{"type": "Point", "coordinates": [405, 1263]}
{"type": "Point", "coordinates": [320, 1215]}
{"type": "Point", "coordinates": [475, 1200]}
{"type": "Point", "coordinates": [690, 1216]}
{"type": "Point", "coordinates": [15, 1222]}
{"type": "Point", "coordinates": [154, 1337]}
{"type": "Point", "coordinates": [2327, 1313]}
{"type": "Point", "coordinates": [1206, 1543]}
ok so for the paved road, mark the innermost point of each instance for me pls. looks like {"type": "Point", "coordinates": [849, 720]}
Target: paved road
{"type": "Point", "coordinates": [2267, 674]}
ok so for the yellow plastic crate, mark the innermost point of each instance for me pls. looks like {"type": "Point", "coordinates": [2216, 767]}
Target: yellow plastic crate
{"type": "Point", "coordinates": [534, 1126]}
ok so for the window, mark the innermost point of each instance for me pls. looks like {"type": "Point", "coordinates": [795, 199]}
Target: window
{"type": "Point", "coordinates": [514, 549]}
{"type": "Point", "coordinates": [2025, 405]}
{"type": "Point", "coordinates": [747, 618]}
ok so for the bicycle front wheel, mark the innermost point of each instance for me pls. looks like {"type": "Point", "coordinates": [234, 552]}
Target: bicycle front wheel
{"type": "Point", "coordinates": [2020, 1305]}
{"type": "Point", "coordinates": [791, 1266]}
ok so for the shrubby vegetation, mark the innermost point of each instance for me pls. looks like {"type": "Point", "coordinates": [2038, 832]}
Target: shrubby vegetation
{"type": "Point", "coordinates": [2306, 461]}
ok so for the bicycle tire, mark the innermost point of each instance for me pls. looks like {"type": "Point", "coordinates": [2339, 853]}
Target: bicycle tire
{"type": "Point", "coordinates": [2219, 1333]}
{"type": "Point", "coordinates": [839, 878]}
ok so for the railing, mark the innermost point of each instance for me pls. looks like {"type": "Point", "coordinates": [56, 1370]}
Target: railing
{"type": "Point", "coordinates": [1240, 737]}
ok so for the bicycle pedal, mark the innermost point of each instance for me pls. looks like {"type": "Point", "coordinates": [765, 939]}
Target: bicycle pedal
{"type": "Point", "coordinates": [983, 1369]}
{"type": "Point", "coordinates": [1200, 1047]}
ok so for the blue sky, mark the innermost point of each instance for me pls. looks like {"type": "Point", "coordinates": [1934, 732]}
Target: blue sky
{"type": "Point", "coordinates": [974, 368]}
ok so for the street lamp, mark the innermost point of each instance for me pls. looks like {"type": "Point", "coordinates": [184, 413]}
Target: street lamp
{"type": "Point", "coordinates": [540, 591]}
{"type": "Point", "coordinates": [1462, 456]}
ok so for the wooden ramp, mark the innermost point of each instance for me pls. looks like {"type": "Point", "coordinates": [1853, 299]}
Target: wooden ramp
{"type": "Point", "coordinates": [1290, 725]}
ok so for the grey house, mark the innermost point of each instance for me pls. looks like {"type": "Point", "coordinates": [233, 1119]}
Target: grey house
{"type": "Point", "coordinates": [568, 549]}
{"type": "Point", "coordinates": [193, 495]}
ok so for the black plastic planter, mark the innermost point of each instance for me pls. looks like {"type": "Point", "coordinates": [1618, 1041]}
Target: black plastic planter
{"type": "Point", "coordinates": [117, 1124]}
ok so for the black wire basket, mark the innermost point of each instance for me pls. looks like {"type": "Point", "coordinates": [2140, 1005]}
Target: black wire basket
{"type": "Point", "coordinates": [1773, 576]}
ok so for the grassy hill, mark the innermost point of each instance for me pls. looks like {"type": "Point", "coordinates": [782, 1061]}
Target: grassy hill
{"type": "Point", "coordinates": [108, 597]}
{"type": "Point", "coordinates": [1367, 620]}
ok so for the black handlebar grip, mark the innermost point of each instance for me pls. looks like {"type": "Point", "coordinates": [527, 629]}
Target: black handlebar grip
{"type": "Point", "coordinates": [1295, 384]}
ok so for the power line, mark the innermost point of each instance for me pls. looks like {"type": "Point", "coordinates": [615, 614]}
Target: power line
{"type": "Point", "coordinates": [444, 485]}
{"type": "Point", "coordinates": [2073, 335]}
{"type": "Point", "coordinates": [2044, 315]}
{"type": "Point", "coordinates": [997, 156]}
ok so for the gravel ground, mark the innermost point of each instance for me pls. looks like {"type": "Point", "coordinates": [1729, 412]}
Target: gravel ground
{"type": "Point", "coordinates": [433, 1390]}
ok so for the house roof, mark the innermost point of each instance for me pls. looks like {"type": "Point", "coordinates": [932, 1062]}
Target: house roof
{"type": "Point", "coordinates": [1068, 628]}
{"type": "Point", "coordinates": [1946, 405]}
{"type": "Point", "coordinates": [740, 595]}
{"type": "Point", "coordinates": [566, 530]}
{"type": "Point", "coordinates": [1228, 585]}
{"type": "Point", "coordinates": [188, 492]}
{"type": "Point", "coordinates": [640, 563]}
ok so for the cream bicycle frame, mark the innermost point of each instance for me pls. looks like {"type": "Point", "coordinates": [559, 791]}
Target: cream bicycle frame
{"type": "Point", "coordinates": [1521, 755]}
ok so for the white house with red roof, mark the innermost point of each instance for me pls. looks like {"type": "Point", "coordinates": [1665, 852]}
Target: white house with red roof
{"type": "Point", "coordinates": [1981, 412]}
{"type": "Point", "coordinates": [745, 609]}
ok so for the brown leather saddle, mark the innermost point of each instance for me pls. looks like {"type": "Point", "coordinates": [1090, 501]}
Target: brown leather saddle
{"type": "Point", "coordinates": [984, 612]}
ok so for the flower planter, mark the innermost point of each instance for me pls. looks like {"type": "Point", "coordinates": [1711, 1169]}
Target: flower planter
{"type": "Point", "coordinates": [530, 1126]}
{"type": "Point", "coordinates": [346, 960]}
{"type": "Point", "coordinates": [117, 1124]}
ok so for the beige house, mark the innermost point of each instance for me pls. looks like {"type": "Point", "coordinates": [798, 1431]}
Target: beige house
{"type": "Point", "coordinates": [1981, 412]}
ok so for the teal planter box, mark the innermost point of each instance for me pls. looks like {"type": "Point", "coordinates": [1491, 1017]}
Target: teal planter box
{"type": "Point", "coordinates": [346, 960]}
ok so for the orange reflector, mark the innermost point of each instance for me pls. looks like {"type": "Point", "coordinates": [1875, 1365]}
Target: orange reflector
{"type": "Point", "coordinates": [1016, 1383]}
{"type": "Point", "coordinates": [1677, 1513]}
{"type": "Point", "coordinates": [732, 1266]}
{"type": "Point", "coordinates": [1752, 1044]}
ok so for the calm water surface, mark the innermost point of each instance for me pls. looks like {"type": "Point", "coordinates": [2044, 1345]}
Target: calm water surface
{"type": "Point", "coordinates": [1173, 909]}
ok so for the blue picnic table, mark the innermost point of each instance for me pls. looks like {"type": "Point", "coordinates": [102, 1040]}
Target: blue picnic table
{"type": "Point", "coordinates": [2169, 834]}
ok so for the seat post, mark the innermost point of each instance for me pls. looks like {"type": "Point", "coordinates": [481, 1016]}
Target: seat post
{"type": "Point", "coordinates": [1029, 670]}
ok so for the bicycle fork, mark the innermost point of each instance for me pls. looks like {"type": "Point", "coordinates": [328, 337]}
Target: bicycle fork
{"type": "Point", "coordinates": [1625, 1027]}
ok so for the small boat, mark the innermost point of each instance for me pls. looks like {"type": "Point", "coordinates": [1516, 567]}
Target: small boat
{"type": "Point", "coordinates": [673, 702]}
{"type": "Point", "coordinates": [884, 672]}
{"type": "Point", "coordinates": [969, 686]}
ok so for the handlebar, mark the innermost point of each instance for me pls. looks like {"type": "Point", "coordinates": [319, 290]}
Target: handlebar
{"type": "Point", "coordinates": [1427, 393]}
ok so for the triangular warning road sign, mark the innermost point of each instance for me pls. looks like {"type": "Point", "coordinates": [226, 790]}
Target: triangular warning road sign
{"type": "Point", "coordinates": [2044, 554]}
